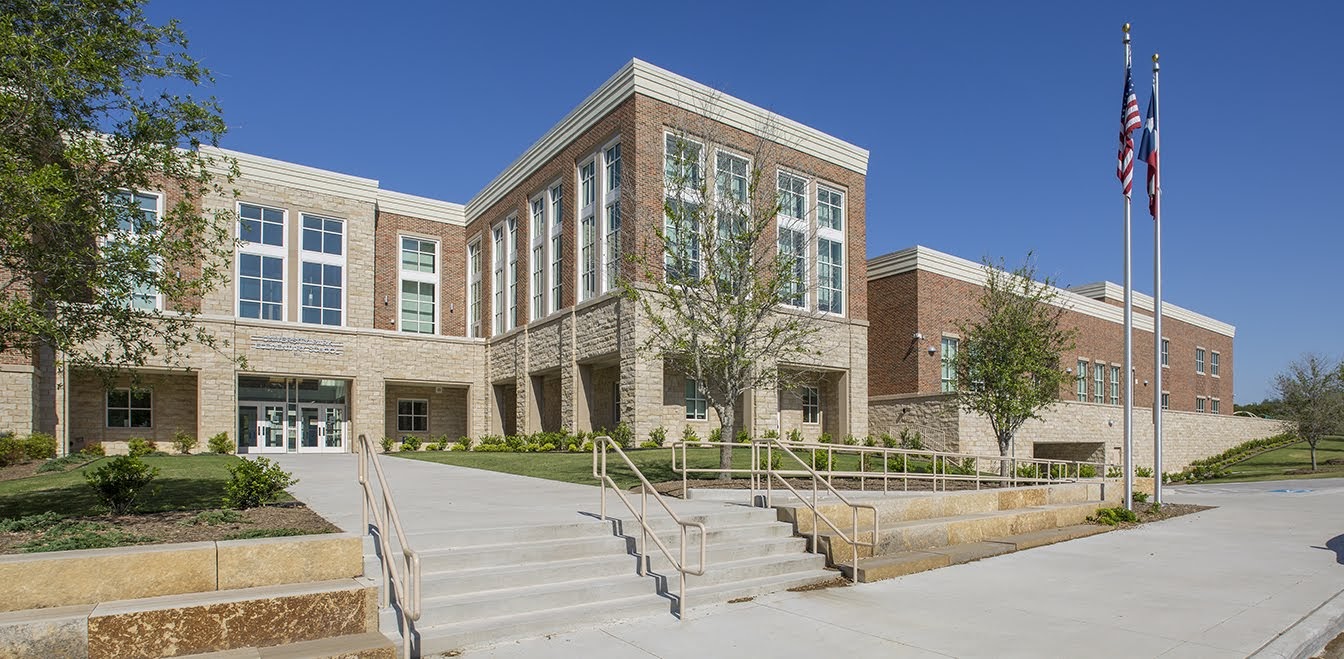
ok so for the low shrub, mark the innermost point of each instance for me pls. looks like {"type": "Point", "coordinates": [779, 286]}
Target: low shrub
{"type": "Point", "coordinates": [716, 435]}
{"type": "Point", "coordinates": [70, 535]}
{"type": "Point", "coordinates": [11, 449]}
{"type": "Point", "coordinates": [658, 435]}
{"type": "Point", "coordinates": [122, 483]}
{"type": "Point", "coordinates": [912, 439]}
{"type": "Point", "coordinates": [1114, 472]}
{"type": "Point", "coordinates": [1143, 472]}
{"type": "Point", "coordinates": [433, 446]}
{"type": "Point", "coordinates": [688, 435]}
{"type": "Point", "coordinates": [742, 437]}
{"type": "Point", "coordinates": [622, 434]}
{"type": "Point", "coordinates": [796, 436]}
{"type": "Point", "coordinates": [826, 438]}
{"type": "Point", "coordinates": [1113, 516]}
{"type": "Point", "coordinates": [39, 446]}
{"type": "Point", "coordinates": [463, 444]}
{"type": "Point", "coordinates": [184, 441]}
{"type": "Point", "coordinates": [1087, 471]}
{"type": "Point", "coordinates": [410, 443]}
{"type": "Point", "coordinates": [36, 522]}
{"type": "Point", "coordinates": [255, 483]}
{"type": "Point", "coordinates": [888, 441]}
{"type": "Point", "coordinates": [387, 444]}
{"type": "Point", "coordinates": [93, 448]}
{"type": "Point", "coordinates": [586, 446]}
{"type": "Point", "coordinates": [60, 464]}
{"type": "Point", "coordinates": [772, 461]}
{"type": "Point", "coordinates": [1140, 497]}
{"type": "Point", "coordinates": [821, 460]}
{"type": "Point", "coordinates": [650, 444]}
{"type": "Point", "coordinates": [220, 443]}
{"type": "Point", "coordinates": [266, 533]}
{"type": "Point", "coordinates": [850, 440]}
{"type": "Point", "coordinates": [870, 441]}
{"type": "Point", "coordinates": [770, 433]}
{"type": "Point", "coordinates": [138, 447]}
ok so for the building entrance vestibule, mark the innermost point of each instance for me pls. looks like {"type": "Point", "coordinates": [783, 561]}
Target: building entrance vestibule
{"type": "Point", "coordinates": [292, 415]}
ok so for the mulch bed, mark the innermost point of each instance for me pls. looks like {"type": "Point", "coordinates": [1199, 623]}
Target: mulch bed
{"type": "Point", "coordinates": [1149, 513]}
{"type": "Point", "coordinates": [184, 526]}
{"type": "Point", "coordinates": [21, 470]}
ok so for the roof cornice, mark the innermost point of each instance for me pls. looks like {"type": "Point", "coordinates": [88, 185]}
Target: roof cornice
{"type": "Point", "coordinates": [421, 207]}
{"type": "Point", "coordinates": [1110, 290]}
{"type": "Point", "coordinates": [278, 172]}
{"type": "Point", "coordinates": [640, 77]}
{"type": "Point", "coordinates": [955, 267]}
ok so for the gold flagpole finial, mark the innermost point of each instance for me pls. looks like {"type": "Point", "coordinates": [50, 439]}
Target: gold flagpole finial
{"type": "Point", "coordinates": [1154, 58]}
{"type": "Point", "coordinates": [1125, 28]}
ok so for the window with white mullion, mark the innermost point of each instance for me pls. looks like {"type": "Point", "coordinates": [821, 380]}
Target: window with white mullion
{"type": "Point", "coordinates": [557, 240]}
{"type": "Point", "coordinates": [1098, 375]}
{"type": "Point", "coordinates": [683, 162]}
{"type": "Point", "coordinates": [497, 257]}
{"type": "Point", "coordinates": [611, 217]}
{"type": "Point", "coordinates": [322, 270]}
{"type": "Point", "coordinates": [138, 220]}
{"type": "Point", "coordinates": [418, 298]}
{"type": "Point", "coordinates": [588, 244]}
{"type": "Point", "coordinates": [261, 262]}
{"type": "Point", "coordinates": [474, 289]}
{"type": "Point", "coordinates": [539, 269]}
{"type": "Point", "coordinates": [512, 247]}
{"type": "Point", "coordinates": [792, 225]}
{"type": "Point", "coordinates": [830, 250]}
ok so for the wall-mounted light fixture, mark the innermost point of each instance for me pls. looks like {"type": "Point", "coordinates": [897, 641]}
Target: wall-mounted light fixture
{"type": "Point", "coordinates": [384, 300]}
{"type": "Point", "coordinates": [918, 336]}
{"type": "Point", "coordinates": [932, 351]}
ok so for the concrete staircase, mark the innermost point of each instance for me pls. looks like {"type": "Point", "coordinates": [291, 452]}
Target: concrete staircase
{"type": "Point", "coordinates": [492, 584]}
{"type": "Point", "coordinates": [928, 531]}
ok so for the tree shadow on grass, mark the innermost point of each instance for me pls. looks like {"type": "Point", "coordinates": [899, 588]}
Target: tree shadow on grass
{"type": "Point", "coordinates": [80, 499]}
{"type": "Point", "coordinates": [1335, 544]}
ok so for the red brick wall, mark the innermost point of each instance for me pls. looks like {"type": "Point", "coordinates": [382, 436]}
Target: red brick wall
{"type": "Point", "coordinates": [939, 302]}
{"type": "Point", "coordinates": [387, 266]}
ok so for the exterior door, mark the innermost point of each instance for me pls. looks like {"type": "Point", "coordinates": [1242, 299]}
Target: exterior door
{"type": "Point", "coordinates": [333, 440]}
{"type": "Point", "coordinates": [271, 429]}
{"type": "Point", "coordinates": [311, 429]}
{"type": "Point", "coordinates": [247, 428]}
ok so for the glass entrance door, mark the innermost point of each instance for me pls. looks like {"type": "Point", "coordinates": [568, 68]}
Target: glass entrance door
{"type": "Point", "coordinates": [247, 428]}
{"type": "Point", "coordinates": [271, 429]}
{"type": "Point", "coordinates": [334, 441]}
{"type": "Point", "coordinates": [311, 429]}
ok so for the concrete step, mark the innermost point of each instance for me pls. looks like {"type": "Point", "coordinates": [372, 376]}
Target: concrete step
{"type": "Point", "coordinates": [466, 633]}
{"type": "Point", "coordinates": [371, 645]}
{"type": "Point", "coordinates": [747, 569]}
{"type": "Point", "coordinates": [506, 601]}
{"type": "Point", "coordinates": [725, 553]}
{"type": "Point", "coordinates": [1051, 536]}
{"type": "Point", "coordinates": [479, 556]}
{"type": "Point", "coordinates": [448, 582]}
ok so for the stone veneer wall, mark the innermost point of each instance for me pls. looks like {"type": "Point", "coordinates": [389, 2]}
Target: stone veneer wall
{"type": "Point", "coordinates": [17, 384]}
{"type": "Point", "coordinates": [447, 411]}
{"type": "Point", "coordinates": [1186, 436]}
{"type": "Point", "coordinates": [934, 417]}
{"type": "Point", "coordinates": [172, 401]}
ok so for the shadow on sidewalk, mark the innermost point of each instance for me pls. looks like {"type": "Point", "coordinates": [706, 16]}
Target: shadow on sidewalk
{"type": "Point", "coordinates": [1335, 544]}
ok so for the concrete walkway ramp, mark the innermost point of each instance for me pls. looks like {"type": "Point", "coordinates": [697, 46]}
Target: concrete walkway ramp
{"type": "Point", "coordinates": [506, 556]}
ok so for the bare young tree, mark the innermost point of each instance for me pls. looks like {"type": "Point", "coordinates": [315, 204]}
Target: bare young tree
{"type": "Point", "coordinates": [1312, 391]}
{"type": "Point", "coordinates": [1008, 362]}
{"type": "Point", "coordinates": [726, 296]}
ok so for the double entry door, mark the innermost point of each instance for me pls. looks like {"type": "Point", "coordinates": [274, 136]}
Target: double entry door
{"type": "Point", "coordinates": [280, 428]}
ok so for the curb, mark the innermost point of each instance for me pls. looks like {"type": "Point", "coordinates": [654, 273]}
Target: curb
{"type": "Point", "coordinates": [1309, 635]}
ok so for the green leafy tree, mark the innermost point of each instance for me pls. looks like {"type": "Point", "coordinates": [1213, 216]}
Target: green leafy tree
{"type": "Point", "coordinates": [96, 109]}
{"type": "Point", "coordinates": [714, 292]}
{"type": "Point", "coordinates": [1008, 362]}
{"type": "Point", "coordinates": [1312, 393]}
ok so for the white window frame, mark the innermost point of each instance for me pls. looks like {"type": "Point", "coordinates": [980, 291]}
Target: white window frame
{"type": "Point", "coordinates": [1081, 389]}
{"type": "Point", "coordinates": [947, 356]}
{"type": "Point", "coordinates": [512, 224]}
{"type": "Point", "coordinates": [539, 262]}
{"type": "Point", "coordinates": [1115, 385]}
{"type": "Point", "coordinates": [264, 251]}
{"type": "Point", "coordinates": [786, 222]}
{"type": "Point", "coordinates": [833, 235]}
{"type": "Point", "coordinates": [1215, 358]}
{"type": "Point", "coordinates": [497, 261]}
{"type": "Point", "coordinates": [339, 260]}
{"type": "Point", "coordinates": [474, 288]}
{"type": "Point", "coordinates": [1199, 360]}
{"type": "Point", "coordinates": [690, 196]}
{"type": "Point", "coordinates": [130, 406]}
{"type": "Point", "coordinates": [1199, 404]}
{"type": "Point", "coordinates": [811, 396]}
{"type": "Point", "coordinates": [587, 185]}
{"type": "Point", "coordinates": [1166, 352]}
{"type": "Point", "coordinates": [420, 277]}
{"type": "Point", "coordinates": [133, 234]}
{"type": "Point", "coordinates": [697, 406]}
{"type": "Point", "coordinates": [1166, 400]}
{"type": "Point", "coordinates": [1215, 406]}
{"type": "Point", "coordinates": [556, 197]}
{"type": "Point", "coordinates": [610, 226]}
{"type": "Point", "coordinates": [412, 416]}
{"type": "Point", "coordinates": [1098, 382]}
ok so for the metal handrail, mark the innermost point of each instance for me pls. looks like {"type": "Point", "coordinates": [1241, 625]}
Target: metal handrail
{"type": "Point", "coordinates": [603, 443]}
{"type": "Point", "coordinates": [853, 508]}
{"type": "Point", "coordinates": [1045, 470]}
{"type": "Point", "coordinates": [407, 592]}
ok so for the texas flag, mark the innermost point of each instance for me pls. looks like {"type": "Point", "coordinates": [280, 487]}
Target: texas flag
{"type": "Point", "coordinates": [1148, 151]}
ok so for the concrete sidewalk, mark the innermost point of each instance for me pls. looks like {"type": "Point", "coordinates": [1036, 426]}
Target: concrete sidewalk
{"type": "Point", "coordinates": [1221, 583]}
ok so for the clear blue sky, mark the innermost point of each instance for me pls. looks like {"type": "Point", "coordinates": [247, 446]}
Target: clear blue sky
{"type": "Point", "coordinates": [992, 126]}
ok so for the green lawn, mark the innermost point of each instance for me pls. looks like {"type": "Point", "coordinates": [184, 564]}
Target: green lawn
{"type": "Point", "coordinates": [187, 482]}
{"type": "Point", "coordinates": [655, 463]}
{"type": "Point", "coordinates": [1273, 464]}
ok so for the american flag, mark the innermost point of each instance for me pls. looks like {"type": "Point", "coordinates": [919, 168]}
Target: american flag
{"type": "Point", "coordinates": [1148, 151]}
{"type": "Point", "coordinates": [1129, 120]}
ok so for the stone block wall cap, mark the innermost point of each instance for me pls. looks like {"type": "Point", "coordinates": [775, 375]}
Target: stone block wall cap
{"type": "Point", "coordinates": [110, 552]}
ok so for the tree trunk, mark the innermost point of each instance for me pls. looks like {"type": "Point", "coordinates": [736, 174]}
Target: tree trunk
{"type": "Point", "coordinates": [1313, 455]}
{"type": "Point", "coordinates": [727, 432]}
{"type": "Point", "coordinates": [1005, 442]}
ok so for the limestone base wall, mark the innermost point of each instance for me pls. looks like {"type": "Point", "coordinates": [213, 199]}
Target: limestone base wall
{"type": "Point", "coordinates": [934, 417]}
{"type": "Point", "coordinates": [16, 399]}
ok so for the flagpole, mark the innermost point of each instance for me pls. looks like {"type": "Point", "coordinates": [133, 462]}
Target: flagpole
{"type": "Point", "coordinates": [1129, 342]}
{"type": "Point", "coordinates": [1157, 303]}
